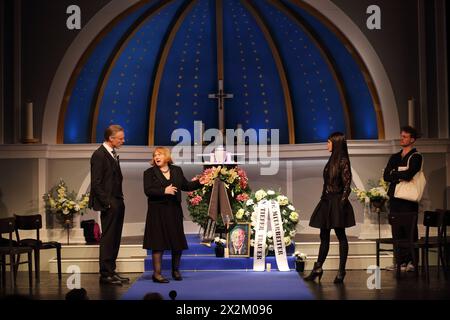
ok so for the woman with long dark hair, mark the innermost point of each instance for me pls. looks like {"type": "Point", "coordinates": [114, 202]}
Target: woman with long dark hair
{"type": "Point", "coordinates": [334, 211]}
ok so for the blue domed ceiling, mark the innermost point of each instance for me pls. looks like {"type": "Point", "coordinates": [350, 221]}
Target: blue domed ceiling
{"type": "Point", "coordinates": [152, 69]}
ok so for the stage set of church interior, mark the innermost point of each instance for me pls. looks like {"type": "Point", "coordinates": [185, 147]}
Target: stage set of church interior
{"type": "Point", "coordinates": [280, 76]}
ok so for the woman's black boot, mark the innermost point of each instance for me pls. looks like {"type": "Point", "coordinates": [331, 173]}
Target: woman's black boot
{"type": "Point", "coordinates": [340, 277]}
{"type": "Point", "coordinates": [316, 272]}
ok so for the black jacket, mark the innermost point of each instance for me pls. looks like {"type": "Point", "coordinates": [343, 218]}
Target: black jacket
{"type": "Point", "coordinates": [155, 184]}
{"type": "Point", "coordinates": [106, 180]}
{"type": "Point", "coordinates": [391, 173]}
{"type": "Point", "coordinates": [340, 184]}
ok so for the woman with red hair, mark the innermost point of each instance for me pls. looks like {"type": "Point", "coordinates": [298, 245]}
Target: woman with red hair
{"type": "Point", "coordinates": [164, 224]}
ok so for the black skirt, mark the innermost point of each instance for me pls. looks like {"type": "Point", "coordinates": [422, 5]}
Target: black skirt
{"type": "Point", "coordinates": [329, 214]}
{"type": "Point", "coordinates": [164, 226]}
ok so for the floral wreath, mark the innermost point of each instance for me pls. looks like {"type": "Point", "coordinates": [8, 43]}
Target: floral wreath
{"type": "Point", "coordinates": [289, 216]}
{"type": "Point", "coordinates": [242, 200]}
{"type": "Point", "coordinates": [236, 183]}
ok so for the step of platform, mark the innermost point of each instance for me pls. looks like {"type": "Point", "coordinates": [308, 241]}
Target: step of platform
{"type": "Point", "coordinates": [89, 265]}
{"type": "Point", "coordinates": [133, 258]}
{"type": "Point", "coordinates": [355, 248]}
{"type": "Point", "coordinates": [211, 263]}
{"type": "Point", "coordinates": [136, 250]}
{"type": "Point", "coordinates": [86, 265]}
{"type": "Point", "coordinates": [92, 251]}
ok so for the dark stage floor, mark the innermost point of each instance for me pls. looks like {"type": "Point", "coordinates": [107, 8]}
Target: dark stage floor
{"type": "Point", "coordinates": [355, 287]}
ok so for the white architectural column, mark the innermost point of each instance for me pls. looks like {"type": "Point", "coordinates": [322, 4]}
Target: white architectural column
{"type": "Point", "coordinates": [289, 182]}
{"type": "Point", "coordinates": [42, 189]}
{"type": "Point", "coordinates": [369, 229]}
{"type": "Point", "coordinates": [54, 234]}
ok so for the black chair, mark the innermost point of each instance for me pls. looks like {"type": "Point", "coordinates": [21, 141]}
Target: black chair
{"type": "Point", "coordinates": [445, 240]}
{"type": "Point", "coordinates": [7, 225]}
{"type": "Point", "coordinates": [34, 222]}
{"type": "Point", "coordinates": [403, 219]}
{"type": "Point", "coordinates": [431, 219]}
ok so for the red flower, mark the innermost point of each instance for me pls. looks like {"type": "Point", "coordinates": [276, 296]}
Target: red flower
{"type": "Point", "coordinates": [196, 200]}
{"type": "Point", "coordinates": [242, 197]}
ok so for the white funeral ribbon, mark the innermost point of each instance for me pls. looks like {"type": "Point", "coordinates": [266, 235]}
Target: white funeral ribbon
{"type": "Point", "coordinates": [259, 252]}
{"type": "Point", "coordinates": [265, 210]}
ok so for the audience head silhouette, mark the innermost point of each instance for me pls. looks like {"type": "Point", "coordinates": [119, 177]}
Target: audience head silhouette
{"type": "Point", "coordinates": [173, 294]}
{"type": "Point", "coordinates": [153, 296]}
{"type": "Point", "coordinates": [77, 294]}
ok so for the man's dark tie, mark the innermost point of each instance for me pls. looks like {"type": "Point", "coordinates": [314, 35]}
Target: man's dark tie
{"type": "Point", "coordinates": [116, 156]}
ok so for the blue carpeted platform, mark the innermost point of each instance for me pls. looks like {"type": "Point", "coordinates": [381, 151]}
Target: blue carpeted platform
{"type": "Point", "coordinates": [202, 258]}
{"type": "Point", "coordinates": [195, 248]}
{"type": "Point", "coordinates": [225, 285]}
{"type": "Point", "coordinates": [211, 263]}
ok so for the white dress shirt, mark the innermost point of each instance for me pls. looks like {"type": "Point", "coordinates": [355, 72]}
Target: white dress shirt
{"type": "Point", "coordinates": [110, 150]}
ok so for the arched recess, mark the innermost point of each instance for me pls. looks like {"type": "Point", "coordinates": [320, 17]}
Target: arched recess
{"type": "Point", "coordinates": [334, 14]}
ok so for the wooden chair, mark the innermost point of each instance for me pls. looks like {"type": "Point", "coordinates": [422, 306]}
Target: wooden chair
{"type": "Point", "coordinates": [34, 222]}
{"type": "Point", "coordinates": [7, 225]}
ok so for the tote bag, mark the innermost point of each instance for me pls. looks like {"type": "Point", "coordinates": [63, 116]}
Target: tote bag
{"type": "Point", "coordinates": [411, 190]}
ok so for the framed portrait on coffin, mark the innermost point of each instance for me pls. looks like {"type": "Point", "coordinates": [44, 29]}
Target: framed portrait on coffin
{"type": "Point", "coordinates": [238, 240]}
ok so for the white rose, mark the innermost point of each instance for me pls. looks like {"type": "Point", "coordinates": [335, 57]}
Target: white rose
{"type": "Point", "coordinates": [250, 202]}
{"type": "Point", "coordinates": [271, 247]}
{"type": "Point", "coordinates": [240, 214]}
{"type": "Point", "coordinates": [65, 211]}
{"type": "Point", "coordinates": [292, 233]}
{"type": "Point", "coordinates": [293, 216]}
{"type": "Point", "coordinates": [291, 207]}
{"type": "Point", "coordinates": [77, 207]}
{"type": "Point", "coordinates": [270, 192]}
{"type": "Point", "coordinates": [282, 200]}
{"type": "Point", "coordinates": [260, 194]}
{"type": "Point", "coordinates": [269, 234]}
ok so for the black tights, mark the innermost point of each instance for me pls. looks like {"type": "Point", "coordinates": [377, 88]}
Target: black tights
{"type": "Point", "coordinates": [157, 261]}
{"type": "Point", "coordinates": [325, 246]}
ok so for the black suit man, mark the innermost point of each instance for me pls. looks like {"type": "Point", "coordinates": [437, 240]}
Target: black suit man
{"type": "Point", "coordinates": [107, 196]}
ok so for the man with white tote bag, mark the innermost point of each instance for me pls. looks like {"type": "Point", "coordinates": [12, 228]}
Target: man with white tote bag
{"type": "Point", "coordinates": [404, 172]}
